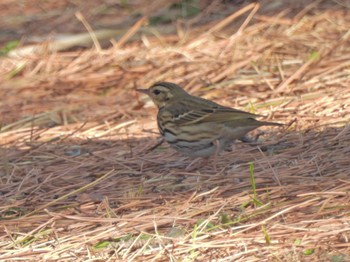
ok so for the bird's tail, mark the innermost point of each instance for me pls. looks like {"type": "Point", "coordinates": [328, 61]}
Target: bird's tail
{"type": "Point", "coordinates": [270, 124]}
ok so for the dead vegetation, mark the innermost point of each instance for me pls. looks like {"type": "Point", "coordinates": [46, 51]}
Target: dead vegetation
{"type": "Point", "coordinates": [80, 179]}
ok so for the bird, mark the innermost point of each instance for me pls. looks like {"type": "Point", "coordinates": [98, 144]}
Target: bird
{"type": "Point", "coordinates": [197, 127]}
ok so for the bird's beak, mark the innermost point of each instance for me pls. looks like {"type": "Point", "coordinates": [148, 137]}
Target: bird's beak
{"type": "Point", "coordinates": [144, 91]}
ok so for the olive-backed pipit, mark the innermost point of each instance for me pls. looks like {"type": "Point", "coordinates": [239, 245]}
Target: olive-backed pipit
{"type": "Point", "coordinates": [195, 126]}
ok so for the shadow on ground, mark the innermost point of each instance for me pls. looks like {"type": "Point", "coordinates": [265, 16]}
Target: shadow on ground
{"type": "Point", "coordinates": [45, 172]}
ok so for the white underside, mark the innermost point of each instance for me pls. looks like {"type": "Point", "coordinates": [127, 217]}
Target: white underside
{"type": "Point", "coordinates": [206, 147]}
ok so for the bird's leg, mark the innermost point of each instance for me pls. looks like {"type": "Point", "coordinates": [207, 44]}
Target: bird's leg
{"type": "Point", "coordinates": [153, 147]}
{"type": "Point", "coordinates": [246, 139]}
{"type": "Point", "coordinates": [188, 168]}
{"type": "Point", "coordinates": [216, 143]}
{"type": "Point", "coordinates": [197, 163]}
{"type": "Point", "coordinates": [251, 140]}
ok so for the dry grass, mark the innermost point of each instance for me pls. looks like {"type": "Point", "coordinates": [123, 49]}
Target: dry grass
{"type": "Point", "coordinates": [81, 181]}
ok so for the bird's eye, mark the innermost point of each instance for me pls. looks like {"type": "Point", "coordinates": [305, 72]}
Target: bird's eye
{"type": "Point", "coordinates": [156, 92]}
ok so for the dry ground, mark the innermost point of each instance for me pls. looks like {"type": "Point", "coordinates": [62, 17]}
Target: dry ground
{"type": "Point", "coordinates": [80, 179]}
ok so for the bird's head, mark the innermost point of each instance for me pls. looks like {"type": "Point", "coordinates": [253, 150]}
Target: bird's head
{"type": "Point", "coordinates": [163, 93]}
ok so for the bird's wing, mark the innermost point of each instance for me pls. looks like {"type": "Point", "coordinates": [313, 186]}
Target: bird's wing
{"type": "Point", "coordinates": [189, 114]}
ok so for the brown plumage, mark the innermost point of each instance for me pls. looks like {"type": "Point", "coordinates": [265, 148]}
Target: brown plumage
{"type": "Point", "coordinates": [195, 126]}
